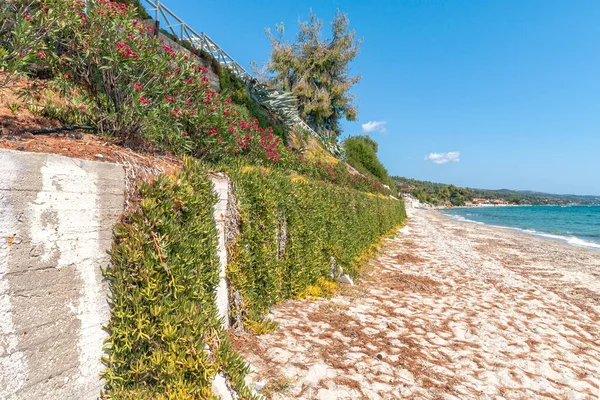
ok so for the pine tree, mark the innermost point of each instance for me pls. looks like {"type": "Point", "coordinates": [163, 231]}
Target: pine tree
{"type": "Point", "coordinates": [316, 70]}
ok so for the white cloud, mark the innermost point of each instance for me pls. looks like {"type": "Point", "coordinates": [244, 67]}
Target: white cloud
{"type": "Point", "coordinates": [443, 158]}
{"type": "Point", "coordinates": [374, 126]}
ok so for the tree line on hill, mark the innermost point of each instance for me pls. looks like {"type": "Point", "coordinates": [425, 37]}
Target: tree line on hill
{"type": "Point", "coordinates": [450, 195]}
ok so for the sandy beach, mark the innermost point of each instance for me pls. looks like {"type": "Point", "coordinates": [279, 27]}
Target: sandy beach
{"type": "Point", "coordinates": [447, 310]}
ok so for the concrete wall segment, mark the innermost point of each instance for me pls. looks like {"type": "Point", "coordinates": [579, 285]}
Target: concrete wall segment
{"type": "Point", "coordinates": [56, 218]}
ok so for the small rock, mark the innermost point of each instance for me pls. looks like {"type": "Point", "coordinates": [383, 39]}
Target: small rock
{"type": "Point", "coordinates": [345, 279]}
{"type": "Point", "coordinates": [99, 156]}
{"type": "Point", "coordinates": [335, 269]}
{"type": "Point", "coordinates": [221, 389]}
{"type": "Point", "coordinates": [260, 385]}
{"type": "Point", "coordinates": [379, 356]}
{"type": "Point", "coordinates": [21, 148]}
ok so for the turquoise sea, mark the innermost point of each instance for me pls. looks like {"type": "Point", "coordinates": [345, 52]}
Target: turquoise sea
{"type": "Point", "coordinates": [576, 225]}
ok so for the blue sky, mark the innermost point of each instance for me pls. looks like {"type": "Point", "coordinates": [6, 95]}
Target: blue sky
{"type": "Point", "coordinates": [513, 86]}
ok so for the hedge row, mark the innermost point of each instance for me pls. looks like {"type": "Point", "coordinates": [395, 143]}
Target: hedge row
{"type": "Point", "coordinates": [290, 229]}
{"type": "Point", "coordinates": [166, 340]}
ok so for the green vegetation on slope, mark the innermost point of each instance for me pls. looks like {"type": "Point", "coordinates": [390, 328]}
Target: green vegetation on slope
{"type": "Point", "coordinates": [361, 153]}
{"type": "Point", "coordinates": [433, 193]}
{"type": "Point", "coordinates": [230, 85]}
{"type": "Point", "coordinates": [314, 222]}
{"type": "Point", "coordinates": [112, 74]}
{"type": "Point", "coordinates": [165, 339]}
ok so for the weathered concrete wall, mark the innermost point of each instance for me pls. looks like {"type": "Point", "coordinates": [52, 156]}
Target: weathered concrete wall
{"type": "Point", "coordinates": [221, 188]}
{"type": "Point", "coordinates": [56, 218]}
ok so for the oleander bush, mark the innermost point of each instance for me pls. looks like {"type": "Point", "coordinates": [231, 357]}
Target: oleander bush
{"type": "Point", "coordinates": [165, 339]}
{"type": "Point", "coordinates": [111, 73]}
{"type": "Point", "coordinates": [290, 229]}
{"type": "Point", "coordinates": [230, 84]}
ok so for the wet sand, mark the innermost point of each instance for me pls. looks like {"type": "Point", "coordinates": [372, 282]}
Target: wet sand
{"type": "Point", "coordinates": [447, 310]}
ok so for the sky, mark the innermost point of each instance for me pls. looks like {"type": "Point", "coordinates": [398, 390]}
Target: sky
{"type": "Point", "coordinates": [485, 94]}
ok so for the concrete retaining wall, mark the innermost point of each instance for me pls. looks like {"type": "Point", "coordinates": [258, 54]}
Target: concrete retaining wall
{"type": "Point", "coordinates": [56, 219]}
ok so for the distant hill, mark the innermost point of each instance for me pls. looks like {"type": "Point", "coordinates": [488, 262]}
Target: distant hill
{"type": "Point", "coordinates": [444, 194]}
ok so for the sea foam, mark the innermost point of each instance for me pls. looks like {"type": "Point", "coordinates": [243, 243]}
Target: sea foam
{"type": "Point", "coordinates": [572, 240]}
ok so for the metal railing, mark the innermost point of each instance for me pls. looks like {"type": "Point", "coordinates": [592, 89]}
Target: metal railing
{"type": "Point", "coordinates": [282, 104]}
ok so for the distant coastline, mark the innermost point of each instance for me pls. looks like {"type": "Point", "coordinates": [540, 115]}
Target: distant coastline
{"type": "Point", "coordinates": [575, 225]}
{"type": "Point", "coordinates": [441, 194]}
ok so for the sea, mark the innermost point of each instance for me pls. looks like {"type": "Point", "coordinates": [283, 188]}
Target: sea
{"type": "Point", "coordinates": [575, 225]}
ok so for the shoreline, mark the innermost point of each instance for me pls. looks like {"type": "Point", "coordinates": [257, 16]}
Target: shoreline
{"type": "Point", "coordinates": [570, 240]}
{"type": "Point", "coordinates": [555, 264]}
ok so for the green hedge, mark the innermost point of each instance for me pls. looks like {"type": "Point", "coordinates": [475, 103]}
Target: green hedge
{"type": "Point", "coordinates": [321, 220]}
{"type": "Point", "coordinates": [162, 279]}
{"type": "Point", "coordinates": [165, 339]}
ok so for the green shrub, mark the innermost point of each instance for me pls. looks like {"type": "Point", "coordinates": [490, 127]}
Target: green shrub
{"type": "Point", "coordinates": [317, 220]}
{"type": "Point", "coordinates": [231, 84]}
{"type": "Point", "coordinates": [166, 340]}
{"type": "Point", "coordinates": [361, 153]}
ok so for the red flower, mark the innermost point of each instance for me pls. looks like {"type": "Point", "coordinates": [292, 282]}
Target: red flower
{"type": "Point", "coordinates": [229, 99]}
{"type": "Point", "coordinates": [231, 129]}
{"type": "Point", "coordinates": [138, 86]}
{"type": "Point", "coordinates": [143, 100]}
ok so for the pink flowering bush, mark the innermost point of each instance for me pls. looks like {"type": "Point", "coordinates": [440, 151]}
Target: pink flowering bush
{"type": "Point", "coordinates": [23, 32]}
{"type": "Point", "coordinates": [115, 75]}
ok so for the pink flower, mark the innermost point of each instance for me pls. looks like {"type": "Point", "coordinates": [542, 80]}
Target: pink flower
{"type": "Point", "coordinates": [229, 99]}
